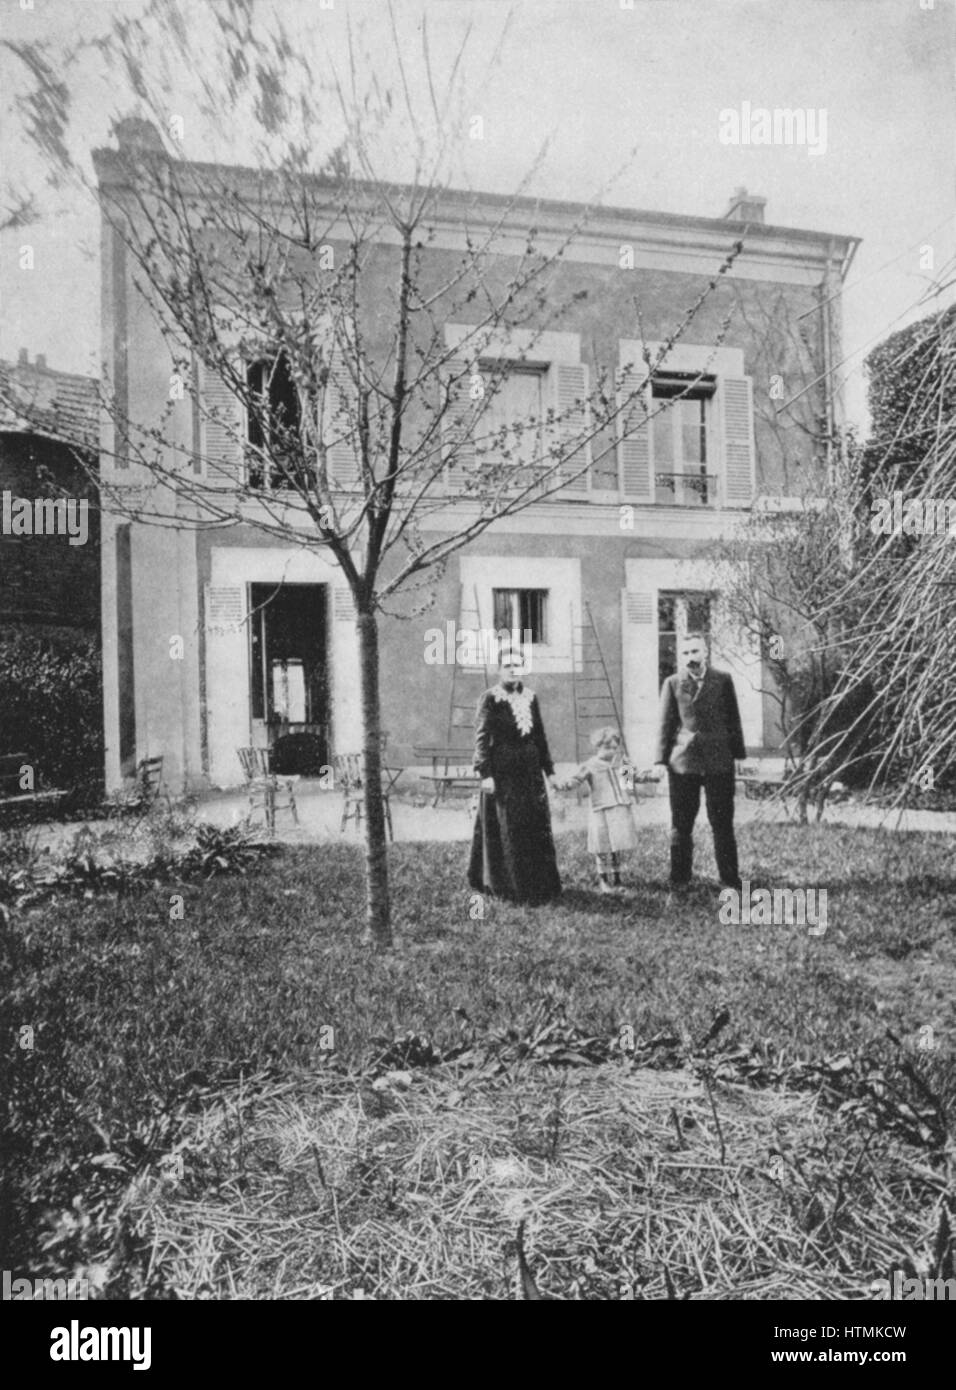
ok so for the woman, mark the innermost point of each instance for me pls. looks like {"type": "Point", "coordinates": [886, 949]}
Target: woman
{"type": "Point", "coordinates": [512, 850]}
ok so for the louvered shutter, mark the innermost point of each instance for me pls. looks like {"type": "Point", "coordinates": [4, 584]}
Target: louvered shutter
{"type": "Point", "coordinates": [572, 408]}
{"type": "Point", "coordinates": [221, 430]}
{"type": "Point", "coordinates": [638, 607]}
{"type": "Point", "coordinates": [341, 426]}
{"type": "Point", "coordinates": [635, 437]}
{"type": "Point", "coordinates": [458, 425]}
{"type": "Point", "coordinates": [343, 605]}
{"type": "Point", "coordinates": [224, 608]}
{"type": "Point", "coordinates": [737, 428]}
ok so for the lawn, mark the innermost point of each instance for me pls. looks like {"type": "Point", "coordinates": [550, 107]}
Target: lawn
{"type": "Point", "coordinates": [231, 1097]}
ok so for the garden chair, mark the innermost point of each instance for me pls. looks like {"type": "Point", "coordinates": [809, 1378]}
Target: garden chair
{"type": "Point", "coordinates": [347, 770]}
{"type": "Point", "coordinates": [144, 790]}
{"type": "Point", "coordinates": [268, 792]}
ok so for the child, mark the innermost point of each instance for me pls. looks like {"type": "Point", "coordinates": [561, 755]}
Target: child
{"type": "Point", "coordinates": [611, 828]}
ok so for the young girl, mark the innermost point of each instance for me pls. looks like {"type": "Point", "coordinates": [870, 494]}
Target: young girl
{"type": "Point", "coordinates": [611, 828]}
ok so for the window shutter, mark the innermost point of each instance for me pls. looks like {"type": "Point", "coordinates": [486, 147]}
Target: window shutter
{"type": "Point", "coordinates": [638, 607]}
{"type": "Point", "coordinates": [572, 407]}
{"type": "Point", "coordinates": [341, 424]}
{"type": "Point", "coordinates": [635, 437]}
{"type": "Point", "coordinates": [221, 430]}
{"type": "Point", "coordinates": [343, 605]}
{"type": "Point", "coordinates": [737, 424]}
{"type": "Point", "coordinates": [224, 608]}
{"type": "Point", "coordinates": [458, 425]}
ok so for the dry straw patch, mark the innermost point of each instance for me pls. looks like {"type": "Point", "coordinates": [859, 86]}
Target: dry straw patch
{"type": "Point", "coordinates": [632, 1182]}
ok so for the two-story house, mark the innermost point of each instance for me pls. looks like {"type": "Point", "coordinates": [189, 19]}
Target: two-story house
{"type": "Point", "coordinates": [740, 411]}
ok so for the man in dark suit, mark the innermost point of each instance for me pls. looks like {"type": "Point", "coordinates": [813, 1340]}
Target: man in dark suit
{"type": "Point", "coordinates": [699, 740]}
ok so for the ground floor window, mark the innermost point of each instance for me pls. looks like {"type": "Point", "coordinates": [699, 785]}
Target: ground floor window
{"type": "Point", "coordinates": [521, 610]}
{"type": "Point", "coordinates": [677, 614]}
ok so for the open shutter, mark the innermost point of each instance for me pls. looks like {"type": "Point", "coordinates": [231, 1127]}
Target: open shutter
{"type": "Point", "coordinates": [341, 427]}
{"type": "Point", "coordinates": [343, 605]}
{"type": "Point", "coordinates": [572, 408]}
{"type": "Point", "coordinates": [638, 607]}
{"type": "Point", "coordinates": [458, 426]}
{"type": "Point", "coordinates": [221, 430]}
{"type": "Point", "coordinates": [737, 427]}
{"type": "Point", "coordinates": [224, 608]}
{"type": "Point", "coordinates": [635, 436]}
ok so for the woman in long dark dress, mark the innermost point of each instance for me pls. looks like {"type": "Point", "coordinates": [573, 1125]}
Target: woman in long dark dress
{"type": "Point", "coordinates": [512, 850]}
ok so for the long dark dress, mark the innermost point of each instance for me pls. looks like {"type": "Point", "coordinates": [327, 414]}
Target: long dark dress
{"type": "Point", "coordinates": [512, 850]}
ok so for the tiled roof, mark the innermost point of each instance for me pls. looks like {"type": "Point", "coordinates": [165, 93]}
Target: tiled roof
{"type": "Point", "coordinates": [36, 400]}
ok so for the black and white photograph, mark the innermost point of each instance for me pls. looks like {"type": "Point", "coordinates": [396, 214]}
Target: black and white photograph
{"type": "Point", "coordinates": [477, 684]}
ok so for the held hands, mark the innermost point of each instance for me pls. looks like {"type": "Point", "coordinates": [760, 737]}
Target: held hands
{"type": "Point", "coordinates": [488, 784]}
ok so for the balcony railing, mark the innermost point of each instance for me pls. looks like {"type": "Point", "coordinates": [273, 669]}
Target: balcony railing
{"type": "Point", "coordinates": [689, 489]}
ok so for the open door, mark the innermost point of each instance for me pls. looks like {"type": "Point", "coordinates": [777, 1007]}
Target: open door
{"type": "Point", "coordinates": [288, 659]}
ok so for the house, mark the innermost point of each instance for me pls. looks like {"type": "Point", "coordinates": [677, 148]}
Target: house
{"type": "Point", "coordinates": [222, 636]}
{"type": "Point", "coordinates": [49, 435]}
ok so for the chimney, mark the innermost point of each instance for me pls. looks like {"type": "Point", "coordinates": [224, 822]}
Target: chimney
{"type": "Point", "coordinates": [745, 207]}
{"type": "Point", "coordinates": [41, 361]}
{"type": "Point", "coordinates": [23, 358]}
{"type": "Point", "coordinates": [133, 133]}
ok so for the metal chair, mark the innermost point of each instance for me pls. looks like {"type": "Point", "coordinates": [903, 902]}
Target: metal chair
{"type": "Point", "coordinates": [267, 792]}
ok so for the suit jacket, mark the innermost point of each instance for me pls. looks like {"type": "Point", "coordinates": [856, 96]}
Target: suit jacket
{"type": "Point", "coordinates": [700, 734]}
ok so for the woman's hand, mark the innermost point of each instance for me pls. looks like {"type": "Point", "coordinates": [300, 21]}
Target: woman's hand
{"type": "Point", "coordinates": [487, 784]}
{"type": "Point", "coordinates": [555, 785]}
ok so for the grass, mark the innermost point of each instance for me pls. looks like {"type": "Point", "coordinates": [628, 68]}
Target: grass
{"type": "Point", "coordinates": [241, 1101]}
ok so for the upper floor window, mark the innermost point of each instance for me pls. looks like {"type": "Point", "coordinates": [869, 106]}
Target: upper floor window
{"type": "Point", "coordinates": [686, 434]}
{"type": "Point", "coordinates": [512, 419]}
{"type": "Point", "coordinates": [273, 418]}
{"type": "Point", "coordinates": [682, 406]}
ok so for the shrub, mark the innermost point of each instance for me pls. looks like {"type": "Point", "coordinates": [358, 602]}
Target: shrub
{"type": "Point", "coordinates": [51, 696]}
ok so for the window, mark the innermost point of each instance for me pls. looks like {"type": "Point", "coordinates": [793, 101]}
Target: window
{"type": "Point", "coordinates": [272, 425]}
{"type": "Point", "coordinates": [521, 610]}
{"type": "Point", "coordinates": [681, 403]}
{"type": "Point", "coordinates": [512, 418]}
{"type": "Point", "coordinates": [678, 614]}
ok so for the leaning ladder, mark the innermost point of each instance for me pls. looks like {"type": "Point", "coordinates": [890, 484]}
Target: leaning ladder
{"type": "Point", "coordinates": [594, 701]}
{"type": "Point", "coordinates": [461, 710]}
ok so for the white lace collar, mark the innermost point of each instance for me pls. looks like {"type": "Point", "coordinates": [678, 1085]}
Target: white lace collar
{"type": "Point", "coordinates": [520, 702]}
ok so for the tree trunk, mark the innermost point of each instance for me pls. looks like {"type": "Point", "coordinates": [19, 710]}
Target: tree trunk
{"type": "Point", "coordinates": [378, 926]}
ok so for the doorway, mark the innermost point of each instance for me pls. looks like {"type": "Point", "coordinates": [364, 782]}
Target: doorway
{"type": "Point", "coordinates": [288, 661]}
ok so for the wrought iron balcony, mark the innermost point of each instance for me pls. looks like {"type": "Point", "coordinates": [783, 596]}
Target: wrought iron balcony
{"type": "Point", "coordinates": [702, 488]}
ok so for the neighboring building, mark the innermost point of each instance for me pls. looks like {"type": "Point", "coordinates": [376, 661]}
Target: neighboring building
{"type": "Point", "coordinates": [49, 439]}
{"type": "Point", "coordinates": [689, 479]}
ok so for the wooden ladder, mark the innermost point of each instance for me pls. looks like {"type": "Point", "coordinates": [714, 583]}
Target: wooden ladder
{"type": "Point", "coordinates": [594, 701]}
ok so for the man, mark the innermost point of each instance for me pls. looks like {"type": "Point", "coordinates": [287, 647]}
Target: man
{"type": "Point", "coordinates": [700, 738]}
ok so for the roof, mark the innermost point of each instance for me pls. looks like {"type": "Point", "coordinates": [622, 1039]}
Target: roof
{"type": "Point", "coordinates": [34, 399]}
{"type": "Point", "coordinates": [119, 168]}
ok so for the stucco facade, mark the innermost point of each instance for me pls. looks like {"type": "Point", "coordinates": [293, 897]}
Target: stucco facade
{"type": "Point", "coordinates": [183, 654]}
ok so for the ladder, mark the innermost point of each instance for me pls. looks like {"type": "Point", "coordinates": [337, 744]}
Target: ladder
{"type": "Point", "coordinates": [464, 679]}
{"type": "Point", "coordinates": [594, 701]}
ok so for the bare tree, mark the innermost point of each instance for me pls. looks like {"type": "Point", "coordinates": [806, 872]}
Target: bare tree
{"type": "Point", "coordinates": [310, 307]}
